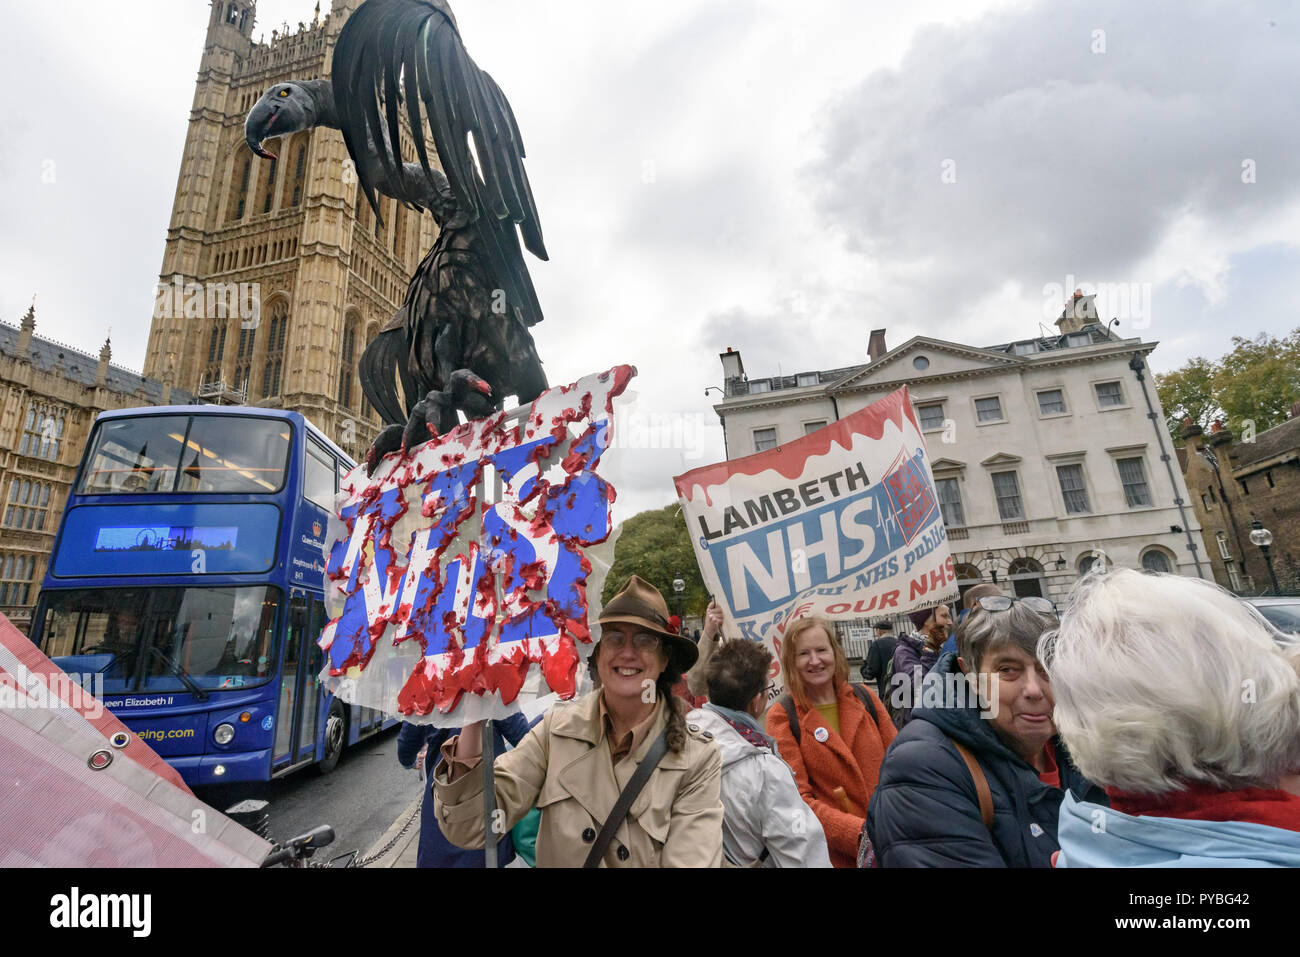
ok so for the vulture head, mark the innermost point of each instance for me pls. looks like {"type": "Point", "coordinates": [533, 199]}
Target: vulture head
{"type": "Point", "coordinates": [284, 108]}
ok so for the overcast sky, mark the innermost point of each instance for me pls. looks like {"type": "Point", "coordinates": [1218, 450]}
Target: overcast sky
{"type": "Point", "coordinates": [777, 177]}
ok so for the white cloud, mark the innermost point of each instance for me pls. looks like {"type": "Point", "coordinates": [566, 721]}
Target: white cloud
{"type": "Point", "coordinates": [745, 173]}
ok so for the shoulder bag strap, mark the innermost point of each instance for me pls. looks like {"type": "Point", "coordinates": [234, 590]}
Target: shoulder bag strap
{"type": "Point", "coordinates": [865, 697]}
{"type": "Point", "coordinates": [624, 803]}
{"type": "Point", "coordinates": [981, 784]}
{"type": "Point", "coordinates": [791, 715]}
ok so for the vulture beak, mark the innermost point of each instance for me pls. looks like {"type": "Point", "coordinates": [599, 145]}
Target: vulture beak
{"type": "Point", "coordinates": [258, 124]}
{"type": "Point", "coordinates": [481, 386]}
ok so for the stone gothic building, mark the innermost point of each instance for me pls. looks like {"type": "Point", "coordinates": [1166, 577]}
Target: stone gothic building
{"type": "Point", "coordinates": [49, 396]}
{"type": "Point", "coordinates": [294, 234]}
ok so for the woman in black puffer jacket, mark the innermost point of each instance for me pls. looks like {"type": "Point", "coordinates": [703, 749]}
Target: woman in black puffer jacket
{"type": "Point", "coordinates": [927, 809]}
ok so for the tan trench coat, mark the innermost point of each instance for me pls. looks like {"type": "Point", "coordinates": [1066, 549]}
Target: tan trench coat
{"type": "Point", "coordinates": [564, 767]}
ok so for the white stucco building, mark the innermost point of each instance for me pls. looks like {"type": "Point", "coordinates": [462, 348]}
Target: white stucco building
{"type": "Point", "coordinates": [1047, 452]}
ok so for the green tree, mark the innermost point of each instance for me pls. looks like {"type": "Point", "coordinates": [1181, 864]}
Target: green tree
{"type": "Point", "coordinates": [1188, 393]}
{"type": "Point", "coordinates": [1259, 380]}
{"type": "Point", "coordinates": [1255, 382]}
{"type": "Point", "coordinates": [657, 546]}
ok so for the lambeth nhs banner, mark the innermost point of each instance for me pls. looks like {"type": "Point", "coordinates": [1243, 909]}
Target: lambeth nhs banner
{"type": "Point", "coordinates": [842, 523]}
{"type": "Point", "coordinates": [457, 575]}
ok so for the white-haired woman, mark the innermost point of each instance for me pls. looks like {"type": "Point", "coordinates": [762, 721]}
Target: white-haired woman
{"type": "Point", "coordinates": [1174, 696]}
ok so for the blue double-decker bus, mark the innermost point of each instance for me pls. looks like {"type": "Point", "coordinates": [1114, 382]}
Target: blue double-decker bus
{"type": "Point", "coordinates": [189, 572]}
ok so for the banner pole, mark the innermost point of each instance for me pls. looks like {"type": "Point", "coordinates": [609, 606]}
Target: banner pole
{"type": "Point", "coordinates": [490, 837]}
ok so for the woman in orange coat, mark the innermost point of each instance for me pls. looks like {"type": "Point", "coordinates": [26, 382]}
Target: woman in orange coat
{"type": "Point", "coordinates": [836, 760]}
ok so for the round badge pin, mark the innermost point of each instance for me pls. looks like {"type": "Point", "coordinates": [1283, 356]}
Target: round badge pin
{"type": "Point", "coordinates": [267, 723]}
{"type": "Point", "coordinates": [821, 734]}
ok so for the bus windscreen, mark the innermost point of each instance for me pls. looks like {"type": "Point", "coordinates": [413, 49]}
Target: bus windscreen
{"type": "Point", "coordinates": [163, 639]}
{"type": "Point", "coordinates": [189, 454]}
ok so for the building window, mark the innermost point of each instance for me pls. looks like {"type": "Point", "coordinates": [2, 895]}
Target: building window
{"type": "Point", "coordinates": [274, 365]}
{"type": "Point", "coordinates": [1026, 577]}
{"type": "Point", "coordinates": [244, 359]}
{"type": "Point", "coordinates": [764, 439]}
{"type": "Point", "coordinates": [1051, 402]}
{"type": "Point", "coordinates": [931, 416]}
{"type": "Point", "coordinates": [1245, 489]}
{"type": "Point", "coordinates": [348, 363]}
{"type": "Point", "coordinates": [1007, 489]}
{"type": "Point", "coordinates": [240, 193]}
{"type": "Point", "coordinates": [1268, 476]}
{"type": "Point", "coordinates": [1090, 561]}
{"type": "Point", "coordinates": [1224, 553]}
{"type": "Point", "coordinates": [216, 351]}
{"type": "Point", "coordinates": [1205, 502]}
{"type": "Point", "coordinates": [1078, 339]}
{"type": "Point", "coordinates": [811, 427]}
{"type": "Point", "coordinates": [1026, 348]}
{"type": "Point", "coordinates": [920, 363]}
{"type": "Point", "coordinates": [1134, 477]}
{"type": "Point", "coordinates": [270, 186]}
{"type": "Point", "coordinates": [1073, 489]}
{"type": "Point", "coordinates": [1234, 578]}
{"type": "Point", "coordinates": [300, 169]}
{"type": "Point", "coordinates": [950, 502]}
{"type": "Point", "coordinates": [808, 378]}
{"type": "Point", "coordinates": [989, 409]}
{"type": "Point", "coordinates": [28, 505]}
{"type": "Point", "coordinates": [1109, 394]}
{"type": "Point", "coordinates": [760, 385]}
{"type": "Point", "coordinates": [16, 579]}
{"type": "Point", "coordinates": [1155, 560]}
{"type": "Point", "coordinates": [42, 433]}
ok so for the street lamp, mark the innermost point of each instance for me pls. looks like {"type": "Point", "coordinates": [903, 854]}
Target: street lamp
{"type": "Point", "coordinates": [1261, 536]}
{"type": "Point", "coordinates": [991, 560]}
{"type": "Point", "coordinates": [679, 589]}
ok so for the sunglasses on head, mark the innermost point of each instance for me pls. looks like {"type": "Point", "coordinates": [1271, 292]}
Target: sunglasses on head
{"type": "Point", "coordinates": [1002, 603]}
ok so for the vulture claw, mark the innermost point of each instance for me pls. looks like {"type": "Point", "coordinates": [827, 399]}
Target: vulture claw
{"type": "Point", "coordinates": [386, 442]}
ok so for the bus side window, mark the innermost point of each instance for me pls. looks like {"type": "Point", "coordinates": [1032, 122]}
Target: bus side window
{"type": "Point", "coordinates": [318, 484]}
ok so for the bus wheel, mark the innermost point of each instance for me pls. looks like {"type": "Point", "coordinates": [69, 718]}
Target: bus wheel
{"type": "Point", "coordinates": [336, 735]}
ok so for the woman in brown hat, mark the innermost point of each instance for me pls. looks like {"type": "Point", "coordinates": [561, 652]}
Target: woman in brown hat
{"type": "Point", "coordinates": [580, 764]}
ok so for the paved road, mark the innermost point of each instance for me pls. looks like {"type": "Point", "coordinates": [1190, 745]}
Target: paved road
{"type": "Point", "coordinates": [359, 799]}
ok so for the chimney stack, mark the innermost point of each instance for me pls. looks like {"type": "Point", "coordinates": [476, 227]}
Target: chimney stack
{"type": "Point", "coordinates": [732, 367]}
{"type": "Point", "coordinates": [876, 346]}
{"type": "Point", "coordinates": [1078, 312]}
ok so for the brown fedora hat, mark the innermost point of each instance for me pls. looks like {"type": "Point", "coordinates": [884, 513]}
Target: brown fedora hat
{"type": "Point", "coordinates": [639, 603]}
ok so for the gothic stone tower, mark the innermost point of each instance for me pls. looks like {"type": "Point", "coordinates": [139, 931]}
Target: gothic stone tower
{"type": "Point", "coordinates": [295, 230]}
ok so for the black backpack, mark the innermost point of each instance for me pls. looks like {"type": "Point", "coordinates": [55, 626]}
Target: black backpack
{"type": "Point", "coordinates": [786, 701]}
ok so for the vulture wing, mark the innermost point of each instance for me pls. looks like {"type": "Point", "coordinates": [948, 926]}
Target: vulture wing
{"type": "Point", "coordinates": [396, 55]}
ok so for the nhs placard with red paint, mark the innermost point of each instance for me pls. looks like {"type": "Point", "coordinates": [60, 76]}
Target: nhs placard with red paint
{"type": "Point", "coordinates": [456, 570]}
{"type": "Point", "coordinates": [843, 523]}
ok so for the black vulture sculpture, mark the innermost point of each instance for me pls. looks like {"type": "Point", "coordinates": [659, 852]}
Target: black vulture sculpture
{"type": "Point", "coordinates": [460, 341]}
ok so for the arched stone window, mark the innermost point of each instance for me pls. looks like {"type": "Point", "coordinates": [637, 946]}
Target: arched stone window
{"type": "Point", "coordinates": [266, 179]}
{"type": "Point", "coordinates": [296, 173]}
{"type": "Point", "coordinates": [347, 362]}
{"type": "Point", "coordinates": [366, 410]}
{"type": "Point", "coordinates": [274, 365]}
{"type": "Point", "coordinates": [1156, 559]}
{"type": "Point", "coordinates": [1026, 577]}
{"type": "Point", "coordinates": [239, 189]}
{"type": "Point", "coordinates": [968, 576]}
{"type": "Point", "coordinates": [244, 359]}
{"type": "Point", "coordinates": [216, 351]}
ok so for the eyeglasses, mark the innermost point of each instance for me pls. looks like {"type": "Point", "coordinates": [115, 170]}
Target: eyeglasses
{"type": "Point", "coordinates": [1002, 603]}
{"type": "Point", "coordinates": [641, 642]}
